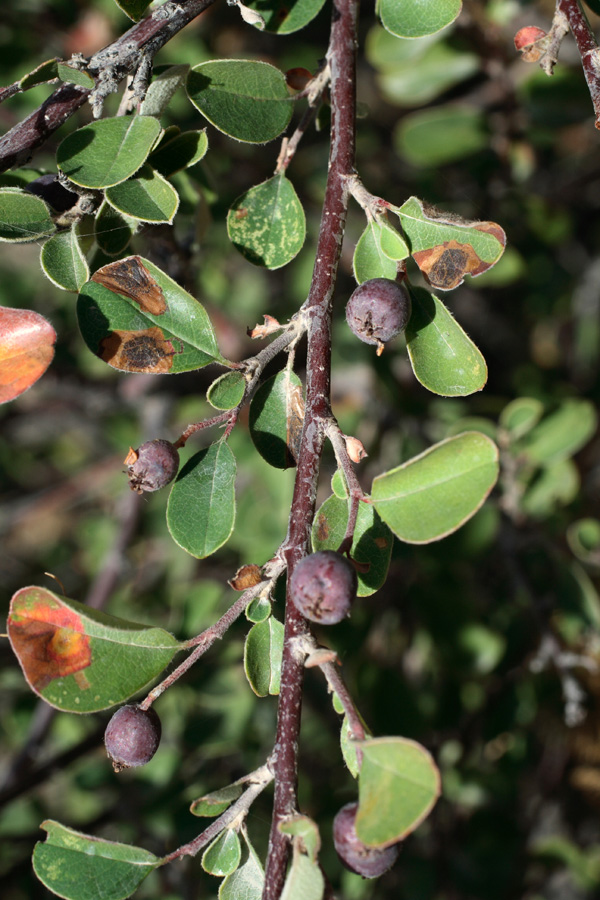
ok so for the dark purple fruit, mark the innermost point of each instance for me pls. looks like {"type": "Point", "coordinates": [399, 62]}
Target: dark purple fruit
{"type": "Point", "coordinates": [132, 737]}
{"type": "Point", "coordinates": [323, 587]}
{"type": "Point", "coordinates": [152, 466]}
{"type": "Point", "coordinates": [49, 188]}
{"type": "Point", "coordinates": [378, 310]}
{"type": "Point", "coordinates": [370, 862]}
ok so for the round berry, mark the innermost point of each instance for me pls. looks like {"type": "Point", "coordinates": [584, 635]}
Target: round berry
{"type": "Point", "coordinates": [153, 466]}
{"type": "Point", "coordinates": [132, 736]}
{"type": "Point", "coordinates": [323, 587]}
{"type": "Point", "coordinates": [370, 862]}
{"type": "Point", "coordinates": [49, 188]}
{"type": "Point", "coordinates": [378, 310]}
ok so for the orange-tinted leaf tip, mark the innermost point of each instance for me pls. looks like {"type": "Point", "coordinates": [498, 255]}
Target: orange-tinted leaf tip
{"type": "Point", "coordinates": [26, 350]}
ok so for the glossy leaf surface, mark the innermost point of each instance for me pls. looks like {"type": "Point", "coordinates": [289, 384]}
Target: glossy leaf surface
{"type": "Point", "coordinates": [78, 866]}
{"type": "Point", "coordinates": [433, 494]}
{"type": "Point", "coordinates": [444, 359]}
{"type": "Point", "coordinates": [23, 216]}
{"type": "Point", "coordinates": [26, 350]}
{"type": "Point", "coordinates": [262, 656]}
{"type": "Point", "coordinates": [146, 196]}
{"type": "Point", "coordinates": [246, 99]}
{"type": "Point", "coordinates": [107, 151]}
{"type": "Point", "coordinates": [369, 259]}
{"type": "Point", "coordinates": [223, 856]}
{"type": "Point", "coordinates": [63, 261]}
{"type": "Point", "coordinates": [276, 419]}
{"type": "Point", "coordinates": [137, 319]}
{"type": "Point", "coordinates": [416, 18]}
{"type": "Point", "coordinates": [267, 223]}
{"type": "Point", "coordinates": [398, 786]}
{"type": "Point", "coordinates": [201, 508]}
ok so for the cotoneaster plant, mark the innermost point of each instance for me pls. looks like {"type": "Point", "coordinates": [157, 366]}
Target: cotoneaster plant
{"type": "Point", "coordinates": [115, 178]}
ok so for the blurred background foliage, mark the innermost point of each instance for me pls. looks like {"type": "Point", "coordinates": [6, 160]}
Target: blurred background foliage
{"type": "Point", "coordinates": [484, 646]}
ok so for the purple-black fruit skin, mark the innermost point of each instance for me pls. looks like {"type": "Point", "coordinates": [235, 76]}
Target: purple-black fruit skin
{"type": "Point", "coordinates": [156, 466]}
{"type": "Point", "coordinates": [378, 310]}
{"type": "Point", "coordinates": [323, 587]}
{"type": "Point", "coordinates": [49, 188]}
{"type": "Point", "coordinates": [370, 862]}
{"type": "Point", "coordinates": [132, 736]}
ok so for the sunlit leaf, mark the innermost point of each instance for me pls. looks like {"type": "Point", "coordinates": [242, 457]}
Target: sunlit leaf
{"type": "Point", "coordinates": [415, 18]}
{"type": "Point", "coordinates": [26, 350]}
{"type": "Point", "coordinates": [23, 216]}
{"type": "Point", "coordinates": [223, 856]}
{"type": "Point", "coordinates": [63, 261]}
{"type": "Point", "coordinates": [146, 196]}
{"type": "Point", "coordinates": [284, 17]}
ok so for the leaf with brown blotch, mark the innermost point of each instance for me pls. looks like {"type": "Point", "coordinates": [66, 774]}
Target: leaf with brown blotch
{"type": "Point", "coordinates": [447, 247]}
{"type": "Point", "coordinates": [26, 350]}
{"type": "Point", "coordinates": [131, 279]}
{"type": "Point", "coordinates": [138, 351]}
{"type": "Point", "coordinates": [48, 639]}
{"type": "Point", "coordinates": [295, 420]}
{"type": "Point", "coordinates": [246, 577]}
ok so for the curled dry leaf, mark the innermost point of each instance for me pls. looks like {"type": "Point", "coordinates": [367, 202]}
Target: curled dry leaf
{"type": "Point", "coordinates": [355, 448]}
{"type": "Point", "coordinates": [260, 331]}
{"type": "Point", "coordinates": [26, 350]}
{"type": "Point", "coordinates": [246, 577]}
{"type": "Point", "coordinates": [130, 278]}
{"type": "Point", "coordinates": [530, 41]}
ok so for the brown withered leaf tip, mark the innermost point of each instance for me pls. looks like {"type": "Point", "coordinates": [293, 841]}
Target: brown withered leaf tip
{"type": "Point", "coordinates": [295, 422]}
{"type": "Point", "coordinates": [446, 265]}
{"type": "Point", "coordinates": [131, 279]}
{"type": "Point", "coordinates": [246, 577]}
{"type": "Point", "coordinates": [138, 351]}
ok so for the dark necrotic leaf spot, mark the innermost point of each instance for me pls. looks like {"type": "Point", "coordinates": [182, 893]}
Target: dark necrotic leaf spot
{"type": "Point", "coordinates": [138, 351]}
{"type": "Point", "coordinates": [131, 279]}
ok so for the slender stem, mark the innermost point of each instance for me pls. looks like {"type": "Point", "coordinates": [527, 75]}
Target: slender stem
{"type": "Point", "coordinates": [355, 492]}
{"type": "Point", "coordinates": [328, 662]}
{"type": "Point", "coordinates": [587, 46]}
{"type": "Point", "coordinates": [318, 307]}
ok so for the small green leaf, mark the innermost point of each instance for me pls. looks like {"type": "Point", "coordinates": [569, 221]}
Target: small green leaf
{"type": "Point", "coordinates": [283, 17]}
{"type": "Point", "coordinates": [246, 99]}
{"type": "Point", "coordinates": [72, 75]}
{"type": "Point", "coordinates": [276, 418]}
{"type": "Point", "coordinates": [258, 609]}
{"type": "Point", "coordinates": [521, 416]}
{"type": "Point", "coordinates": [108, 151]}
{"type": "Point", "coordinates": [161, 89]}
{"type": "Point", "coordinates": [113, 231]}
{"type": "Point", "coordinates": [201, 508]}
{"type": "Point", "coordinates": [63, 262]}
{"type": "Point", "coordinates": [23, 216]}
{"type": "Point", "coordinates": [561, 434]}
{"type": "Point", "coordinates": [433, 494]}
{"type": "Point", "coordinates": [416, 18]}
{"type": "Point", "coordinates": [444, 359]}
{"type": "Point", "coordinates": [338, 485]}
{"type": "Point", "coordinates": [78, 866]}
{"type": "Point", "coordinates": [436, 137]}
{"type": "Point", "coordinates": [398, 786]}
{"type": "Point", "coordinates": [46, 71]}
{"type": "Point", "coordinates": [262, 656]}
{"type": "Point", "coordinates": [348, 747]}
{"type": "Point", "coordinates": [305, 833]}
{"type": "Point", "coordinates": [79, 659]}
{"type": "Point", "coordinates": [227, 391]}
{"type": "Point", "coordinates": [215, 803]}
{"type": "Point", "coordinates": [223, 856]}
{"type": "Point", "coordinates": [134, 9]}
{"type": "Point", "coordinates": [146, 196]}
{"type": "Point", "coordinates": [304, 880]}
{"type": "Point", "coordinates": [369, 260]}
{"type": "Point", "coordinates": [181, 152]}
{"type": "Point", "coordinates": [267, 223]}
{"type": "Point", "coordinates": [372, 542]}
{"type": "Point", "coordinates": [391, 241]}
{"type": "Point", "coordinates": [247, 882]}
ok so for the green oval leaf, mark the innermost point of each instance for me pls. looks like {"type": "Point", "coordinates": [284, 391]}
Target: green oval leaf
{"type": "Point", "coordinates": [108, 151]}
{"type": "Point", "coordinates": [227, 391]}
{"type": "Point", "coordinates": [246, 99]}
{"type": "Point", "coordinates": [370, 261]}
{"type": "Point", "coordinates": [146, 196]}
{"type": "Point", "coordinates": [201, 508]}
{"type": "Point", "coordinates": [79, 659]}
{"type": "Point", "coordinates": [267, 223]}
{"type": "Point", "coordinates": [75, 865]}
{"type": "Point", "coordinates": [262, 656]}
{"type": "Point", "coordinates": [137, 319]}
{"type": "Point", "coordinates": [304, 880]}
{"type": "Point", "coordinates": [223, 856]}
{"type": "Point", "coordinates": [433, 494]}
{"type": "Point", "coordinates": [258, 609]}
{"type": "Point", "coordinates": [247, 882]}
{"type": "Point", "coordinates": [561, 434]}
{"type": "Point", "coordinates": [444, 359]}
{"type": "Point", "coordinates": [283, 17]}
{"type": "Point", "coordinates": [276, 418]}
{"type": "Point", "coordinates": [181, 152]}
{"type": "Point", "coordinates": [63, 261]}
{"type": "Point", "coordinates": [112, 230]}
{"type": "Point", "coordinates": [215, 803]}
{"type": "Point", "coordinates": [416, 18]}
{"type": "Point", "coordinates": [436, 137]}
{"type": "Point", "coordinates": [23, 216]}
{"type": "Point", "coordinates": [372, 543]}
{"type": "Point", "coordinates": [398, 786]}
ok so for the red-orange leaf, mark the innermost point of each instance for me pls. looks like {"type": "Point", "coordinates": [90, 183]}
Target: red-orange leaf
{"type": "Point", "coordinates": [26, 350]}
{"type": "Point", "coordinates": [48, 638]}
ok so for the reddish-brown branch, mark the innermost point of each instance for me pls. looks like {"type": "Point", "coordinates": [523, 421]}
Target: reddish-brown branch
{"type": "Point", "coordinates": [318, 308]}
{"type": "Point", "coordinates": [587, 46]}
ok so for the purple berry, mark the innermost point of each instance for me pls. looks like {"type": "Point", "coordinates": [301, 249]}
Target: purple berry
{"type": "Point", "coordinates": [370, 862]}
{"type": "Point", "coordinates": [132, 736]}
{"type": "Point", "coordinates": [49, 188]}
{"type": "Point", "coordinates": [323, 587]}
{"type": "Point", "coordinates": [378, 310]}
{"type": "Point", "coordinates": [153, 466]}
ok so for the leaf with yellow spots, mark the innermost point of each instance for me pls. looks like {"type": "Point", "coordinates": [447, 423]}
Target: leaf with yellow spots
{"type": "Point", "coordinates": [81, 660]}
{"type": "Point", "coordinates": [447, 247]}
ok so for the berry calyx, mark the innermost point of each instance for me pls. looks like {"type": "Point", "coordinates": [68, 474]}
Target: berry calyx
{"type": "Point", "coordinates": [370, 862]}
{"type": "Point", "coordinates": [378, 310]}
{"type": "Point", "coordinates": [132, 736]}
{"type": "Point", "coordinates": [152, 466]}
{"type": "Point", "coordinates": [323, 587]}
{"type": "Point", "coordinates": [527, 40]}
